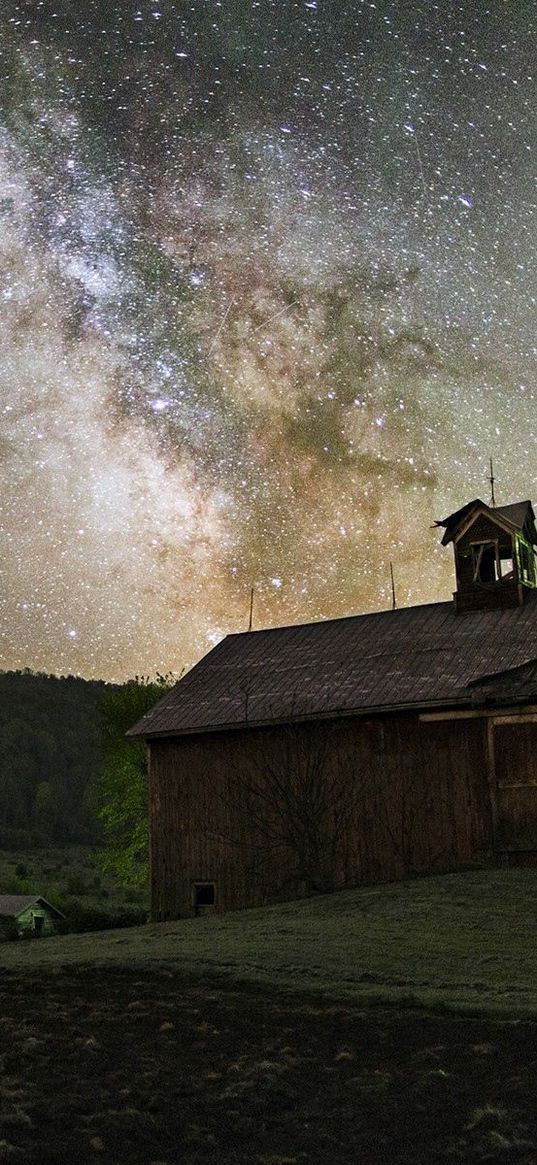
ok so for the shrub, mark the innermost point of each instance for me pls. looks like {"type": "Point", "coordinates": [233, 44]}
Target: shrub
{"type": "Point", "coordinates": [9, 930]}
{"type": "Point", "coordinates": [22, 839]}
{"type": "Point", "coordinates": [82, 918]}
{"type": "Point", "coordinates": [19, 886]}
{"type": "Point", "coordinates": [76, 885]}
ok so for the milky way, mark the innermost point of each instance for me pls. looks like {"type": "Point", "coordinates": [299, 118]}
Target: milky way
{"type": "Point", "coordinates": [268, 293]}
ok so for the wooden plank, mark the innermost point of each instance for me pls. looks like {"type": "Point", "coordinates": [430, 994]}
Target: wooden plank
{"type": "Point", "coordinates": [491, 770]}
{"type": "Point", "coordinates": [517, 784]}
{"type": "Point", "coordinates": [519, 718]}
{"type": "Point", "coordinates": [527, 712]}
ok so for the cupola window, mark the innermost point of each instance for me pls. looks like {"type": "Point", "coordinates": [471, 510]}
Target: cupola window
{"type": "Point", "coordinates": [485, 562]}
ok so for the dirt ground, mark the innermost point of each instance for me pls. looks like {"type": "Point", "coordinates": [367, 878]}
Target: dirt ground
{"type": "Point", "coordinates": [148, 1068]}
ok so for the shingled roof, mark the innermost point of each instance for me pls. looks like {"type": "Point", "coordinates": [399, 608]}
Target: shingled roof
{"type": "Point", "coordinates": [519, 515]}
{"type": "Point", "coordinates": [11, 905]}
{"type": "Point", "coordinates": [414, 657]}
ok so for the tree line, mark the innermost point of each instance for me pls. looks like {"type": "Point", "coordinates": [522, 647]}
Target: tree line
{"type": "Point", "coordinates": [67, 773]}
{"type": "Point", "coordinates": [51, 757]}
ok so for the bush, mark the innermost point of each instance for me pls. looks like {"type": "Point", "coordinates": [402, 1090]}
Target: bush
{"type": "Point", "coordinates": [9, 931]}
{"type": "Point", "coordinates": [19, 886]}
{"type": "Point", "coordinates": [132, 895]}
{"type": "Point", "coordinates": [23, 839]}
{"type": "Point", "coordinates": [76, 885]}
{"type": "Point", "coordinates": [81, 918]}
{"type": "Point", "coordinates": [21, 870]}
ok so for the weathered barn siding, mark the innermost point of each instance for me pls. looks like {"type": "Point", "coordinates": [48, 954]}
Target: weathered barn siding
{"type": "Point", "coordinates": [418, 799]}
{"type": "Point", "coordinates": [514, 753]}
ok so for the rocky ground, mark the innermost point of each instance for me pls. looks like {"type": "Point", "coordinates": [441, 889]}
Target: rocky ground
{"type": "Point", "coordinates": [150, 1068]}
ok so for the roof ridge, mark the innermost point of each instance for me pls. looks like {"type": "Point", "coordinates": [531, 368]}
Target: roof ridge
{"type": "Point", "coordinates": [335, 619]}
{"type": "Point", "coordinates": [412, 657]}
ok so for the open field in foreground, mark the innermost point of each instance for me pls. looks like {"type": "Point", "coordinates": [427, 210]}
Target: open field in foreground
{"type": "Point", "coordinates": [466, 941]}
{"type": "Point", "coordinates": [148, 1067]}
{"type": "Point", "coordinates": [334, 1031]}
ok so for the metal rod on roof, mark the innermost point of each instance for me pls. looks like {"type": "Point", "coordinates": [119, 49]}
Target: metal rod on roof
{"type": "Point", "coordinates": [492, 498]}
{"type": "Point", "coordinates": [394, 602]}
{"type": "Point", "coordinates": [251, 619]}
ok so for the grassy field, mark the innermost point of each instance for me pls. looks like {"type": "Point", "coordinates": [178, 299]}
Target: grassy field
{"type": "Point", "coordinates": [339, 1029]}
{"type": "Point", "coordinates": [148, 1067]}
{"type": "Point", "coordinates": [464, 941]}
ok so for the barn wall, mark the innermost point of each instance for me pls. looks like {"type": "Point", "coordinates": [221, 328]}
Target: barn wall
{"type": "Point", "coordinates": [417, 799]}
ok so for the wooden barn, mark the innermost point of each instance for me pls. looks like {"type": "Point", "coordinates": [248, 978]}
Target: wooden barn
{"type": "Point", "coordinates": [362, 749]}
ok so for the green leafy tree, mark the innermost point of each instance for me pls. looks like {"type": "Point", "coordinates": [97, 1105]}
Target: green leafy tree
{"type": "Point", "coordinates": [124, 795]}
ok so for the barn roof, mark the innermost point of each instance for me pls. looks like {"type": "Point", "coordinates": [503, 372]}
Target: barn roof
{"type": "Point", "coordinates": [11, 905]}
{"type": "Point", "coordinates": [415, 656]}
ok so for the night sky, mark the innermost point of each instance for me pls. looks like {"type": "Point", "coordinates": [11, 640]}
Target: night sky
{"type": "Point", "coordinates": [268, 291]}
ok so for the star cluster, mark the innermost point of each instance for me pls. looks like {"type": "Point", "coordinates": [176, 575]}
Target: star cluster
{"type": "Point", "coordinates": [268, 289]}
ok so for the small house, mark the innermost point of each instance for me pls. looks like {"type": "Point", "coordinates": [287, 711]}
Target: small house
{"type": "Point", "coordinates": [361, 749]}
{"type": "Point", "coordinates": [27, 915]}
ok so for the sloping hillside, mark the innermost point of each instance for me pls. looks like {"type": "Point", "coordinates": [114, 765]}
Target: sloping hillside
{"type": "Point", "coordinates": [466, 941]}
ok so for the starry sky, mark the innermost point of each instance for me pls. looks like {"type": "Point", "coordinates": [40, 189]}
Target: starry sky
{"type": "Point", "coordinates": [268, 290]}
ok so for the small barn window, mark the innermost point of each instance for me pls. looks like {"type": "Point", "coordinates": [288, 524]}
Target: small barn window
{"type": "Point", "coordinates": [204, 894]}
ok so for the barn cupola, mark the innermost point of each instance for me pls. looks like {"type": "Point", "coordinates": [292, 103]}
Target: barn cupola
{"type": "Point", "coordinates": [494, 550]}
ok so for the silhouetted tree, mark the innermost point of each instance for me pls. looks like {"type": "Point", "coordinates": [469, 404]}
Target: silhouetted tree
{"type": "Point", "coordinates": [293, 806]}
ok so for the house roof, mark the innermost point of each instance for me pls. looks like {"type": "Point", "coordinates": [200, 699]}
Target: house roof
{"type": "Point", "coordinates": [519, 515]}
{"type": "Point", "coordinates": [412, 657]}
{"type": "Point", "coordinates": [11, 905]}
